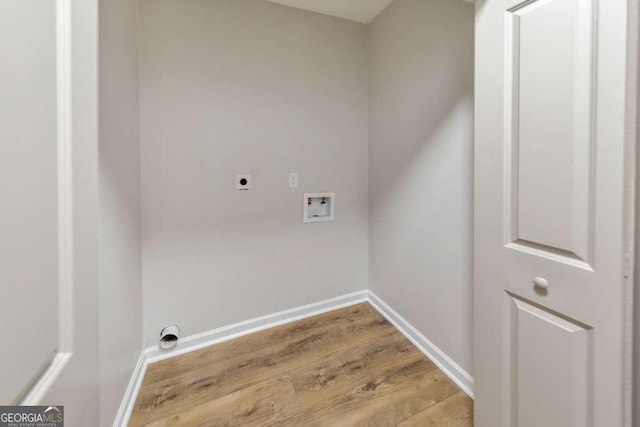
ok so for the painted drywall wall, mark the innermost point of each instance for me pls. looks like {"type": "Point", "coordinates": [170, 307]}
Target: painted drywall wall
{"type": "Point", "coordinates": [120, 218]}
{"type": "Point", "coordinates": [636, 299]}
{"type": "Point", "coordinates": [355, 10]}
{"type": "Point", "coordinates": [248, 87]}
{"type": "Point", "coordinates": [421, 167]}
{"type": "Point", "coordinates": [634, 35]}
{"type": "Point", "coordinates": [635, 12]}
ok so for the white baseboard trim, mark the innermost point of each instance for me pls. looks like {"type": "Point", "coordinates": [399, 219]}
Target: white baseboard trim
{"type": "Point", "coordinates": [226, 333]}
{"type": "Point", "coordinates": [46, 379]}
{"type": "Point", "coordinates": [454, 371]}
{"type": "Point", "coordinates": [131, 393]}
{"type": "Point", "coordinates": [236, 330]}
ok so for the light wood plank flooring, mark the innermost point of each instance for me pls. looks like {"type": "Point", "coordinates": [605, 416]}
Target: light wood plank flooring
{"type": "Point", "coordinates": [348, 367]}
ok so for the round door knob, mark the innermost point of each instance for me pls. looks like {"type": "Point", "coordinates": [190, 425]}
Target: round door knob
{"type": "Point", "coordinates": [541, 282]}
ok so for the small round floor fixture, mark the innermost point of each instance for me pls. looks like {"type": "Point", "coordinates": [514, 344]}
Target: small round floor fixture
{"type": "Point", "coordinates": [169, 337]}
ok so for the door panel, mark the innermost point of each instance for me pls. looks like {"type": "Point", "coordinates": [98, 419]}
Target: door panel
{"type": "Point", "coordinates": [48, 219]}
{"type": "Point", "coordinates": [559, 394]}
{"type": "Point", "coordinates": [551, 246]}
{"type": "Point", "coordinates": [28, 190]}
{"type": "Point", "coordinates": [549, 52]}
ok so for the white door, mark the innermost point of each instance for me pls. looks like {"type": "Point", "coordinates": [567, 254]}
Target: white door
{"type": "Point", "coordinates": [48, 213]}
{"type": "Point", "coordinates": [552, 303]}
{"type": "Point", "coordinates": [28, 190]}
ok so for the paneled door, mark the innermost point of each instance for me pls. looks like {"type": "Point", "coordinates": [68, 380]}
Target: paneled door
{"type": "Point", "coordinates": [552, 197]}
{"type": "Point", "coordinates": [49, 206]}
{"type": "Point", "coordinates": [29, 273]}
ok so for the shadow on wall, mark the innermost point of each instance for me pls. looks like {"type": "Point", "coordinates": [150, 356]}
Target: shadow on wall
{"type": "Point", "coordinates": [421, 168]}
{"type": "Point", "coordinates": [419, 85]}
{"type": "Point", "coordinates": [408, 160]}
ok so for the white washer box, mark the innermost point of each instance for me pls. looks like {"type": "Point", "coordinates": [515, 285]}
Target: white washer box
{"type": "Point", "coordinates": [318, 207]}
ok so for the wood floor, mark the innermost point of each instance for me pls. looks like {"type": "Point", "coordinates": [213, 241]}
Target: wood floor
{"type": "Point", "coordinates": [348, 367]}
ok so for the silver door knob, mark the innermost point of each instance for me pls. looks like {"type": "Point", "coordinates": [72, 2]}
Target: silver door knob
{"type": "Point", "coordinates": [541, 282]}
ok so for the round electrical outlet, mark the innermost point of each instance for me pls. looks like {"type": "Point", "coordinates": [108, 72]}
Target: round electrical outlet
{"type": "Point", "coordinates": [243, 182]}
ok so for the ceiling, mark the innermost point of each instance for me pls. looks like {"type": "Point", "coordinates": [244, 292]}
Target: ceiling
{"type": "Point", "coordinates": [363, 11]}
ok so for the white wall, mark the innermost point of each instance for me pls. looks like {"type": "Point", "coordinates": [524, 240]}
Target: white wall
{"type": "Point", "coordinates": [120, 218]}
{"type": "Point", "coordinates": [634, 12]}
{"type": "Point", "coordinates": [421, 167]}
{"type": "Point", "coordinates": [230, 87]}
{"type": "Point", "coordinates": [636, 302]}
{"type": "Point", "coordinates": [636, 290]}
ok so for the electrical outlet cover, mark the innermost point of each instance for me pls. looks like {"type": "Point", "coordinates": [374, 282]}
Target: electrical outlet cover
{"type": "Point", "coordinates": [243, 182]}
{"type": "Point", "coordinates": [293, 180]}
